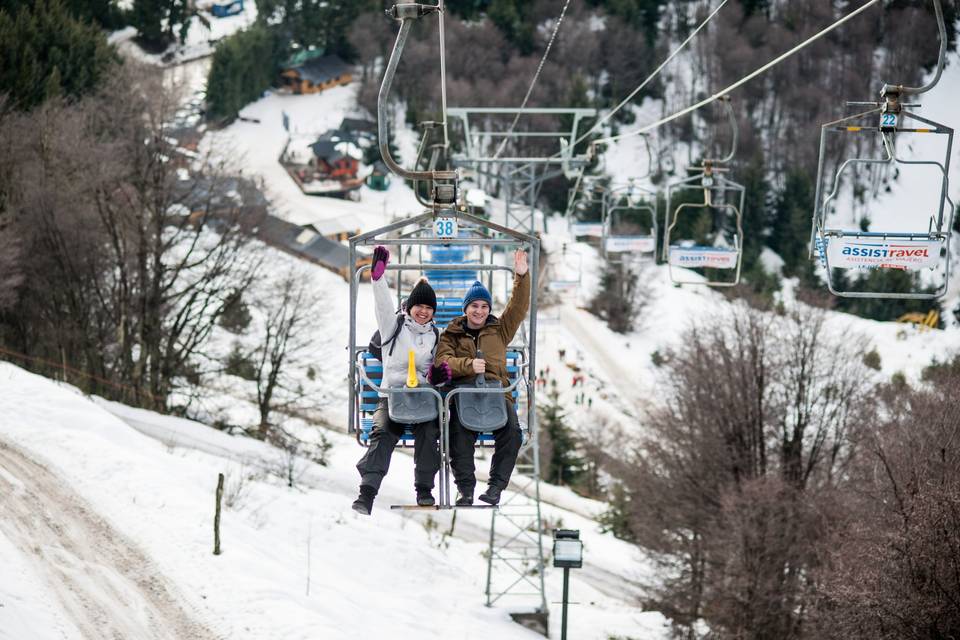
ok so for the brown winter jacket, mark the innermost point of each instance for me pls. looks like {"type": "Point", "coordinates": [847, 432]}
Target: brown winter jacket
{"type": "Point", "coordinates": [458, 349]}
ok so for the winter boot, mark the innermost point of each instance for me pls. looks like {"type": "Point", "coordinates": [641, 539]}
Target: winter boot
{"type": "Point", "coordinates": [364, 504]}
{"type": "Point", "coordinates": [425, 497]}
{"type": "Point", "coordinates": [465, 498]}
{"type": "Point", "coordinates": [491, 495]}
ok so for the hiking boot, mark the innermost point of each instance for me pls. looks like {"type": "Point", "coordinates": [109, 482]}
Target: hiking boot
{"type": "Point", "coordinates": [364, 503]}
{"type": "Point", "coordinates": [491, 495]}
{"type": "Point", "coordinates": [464, 499]}
{"type": "Point", "coordinates": [425, 497]}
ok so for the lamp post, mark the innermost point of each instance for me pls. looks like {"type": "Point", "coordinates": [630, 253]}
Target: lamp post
{"type": "Point", "coordinates": [567, 554]}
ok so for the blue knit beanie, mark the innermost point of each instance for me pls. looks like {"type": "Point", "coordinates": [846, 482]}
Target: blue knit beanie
{"type": "Point", "coordinates": [477, 292]}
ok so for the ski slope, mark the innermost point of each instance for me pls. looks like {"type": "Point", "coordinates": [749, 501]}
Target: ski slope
{"type": "Point", "coordinates": [132, 516]}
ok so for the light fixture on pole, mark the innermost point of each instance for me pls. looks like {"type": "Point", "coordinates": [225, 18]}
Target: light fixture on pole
{"type": "Point", "coordinates": [567, 554]}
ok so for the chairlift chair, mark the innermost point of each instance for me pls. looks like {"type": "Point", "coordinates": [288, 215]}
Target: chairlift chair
{"type": "Point", "coordinates": [638, 199]}
{"type": "Point", "coordinates": [365, 389]}
{"type": "Point", "coordinates": [688, 253]}
{"type": "Point", "coordinates": [910, 250]}
{"type": "Point", "coordinates": [718, 191]}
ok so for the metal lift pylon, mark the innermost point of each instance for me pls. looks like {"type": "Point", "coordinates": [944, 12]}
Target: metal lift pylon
{"type": "Point", "coordinates": [519, 177]}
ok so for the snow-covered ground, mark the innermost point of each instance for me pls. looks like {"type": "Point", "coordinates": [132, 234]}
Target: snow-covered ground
{"type": "Point", "coordinates": [106, 528]}
{"type": "Point", "coordinates": [203, 34]}
{"type": "Point", "coordinates": [254, 145]}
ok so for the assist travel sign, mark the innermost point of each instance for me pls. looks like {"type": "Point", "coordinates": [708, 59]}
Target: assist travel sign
{"type": "Point", "coordinates": [854, 253]}
{"type": "Point", "coordinates": [697, 257]}
{"type": "Point", "coordinates": [641, 244]}
{"type": "Point", "coordinates": [587, 229]}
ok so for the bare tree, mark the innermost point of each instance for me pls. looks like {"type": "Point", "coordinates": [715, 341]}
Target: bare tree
{"type": "Point", "coordinates": [127, 264]}
{"type": "Point", "coordinates": [894, 565]}
{"type": "Point", "coordinates": [733, 489]}
{"type": "Point", "coordinates": [279, 359]}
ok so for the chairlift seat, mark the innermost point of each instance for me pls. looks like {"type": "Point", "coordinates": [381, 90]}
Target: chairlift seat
{"type": "Point", "coordinates": [481, 412]}
{"type": "Point", "coordinates": [369, 400]}
{"type": "Point", "coordinates": [411, 406]}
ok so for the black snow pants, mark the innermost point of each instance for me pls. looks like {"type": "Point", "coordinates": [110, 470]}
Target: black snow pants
{"type": "Point", "coordinates": [375, 463]}
{"type": "Point", "coordinates": [507, 441]}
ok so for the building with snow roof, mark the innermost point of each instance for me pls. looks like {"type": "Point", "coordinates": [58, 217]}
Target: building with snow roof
{"type": "Point", "coordinates": [316, 74]}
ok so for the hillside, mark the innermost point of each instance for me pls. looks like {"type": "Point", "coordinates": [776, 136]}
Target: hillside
{"type": "Point", "coordinates": [296, 563]}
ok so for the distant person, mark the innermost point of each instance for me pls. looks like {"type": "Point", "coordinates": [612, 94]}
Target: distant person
{"type": "Point", "coordinates": [417, 332]}
{"type": "Point", "coordinates": [477, 329]}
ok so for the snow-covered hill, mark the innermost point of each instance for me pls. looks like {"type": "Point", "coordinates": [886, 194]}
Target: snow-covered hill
{"type": "Point", "coordinates": [117, 540]}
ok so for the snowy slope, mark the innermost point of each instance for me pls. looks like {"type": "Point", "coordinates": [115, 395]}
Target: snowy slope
{"type": "Point", "coordinates": [388, 575]}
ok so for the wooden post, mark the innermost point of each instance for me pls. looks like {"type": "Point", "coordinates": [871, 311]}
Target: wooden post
{"type": "Point", "coordinates": [216, 517]}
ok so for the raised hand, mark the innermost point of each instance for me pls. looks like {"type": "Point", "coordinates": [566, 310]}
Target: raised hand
{"type": "Point", "coordinates": [520, 266]}
{"type": "Point", "coordinates": [380, 259]}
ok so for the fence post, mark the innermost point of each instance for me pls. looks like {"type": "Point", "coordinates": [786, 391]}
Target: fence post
{"type": "Point", "coordinates": [216, 517]}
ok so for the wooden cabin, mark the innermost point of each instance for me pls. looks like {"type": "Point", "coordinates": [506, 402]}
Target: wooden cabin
{"type": "Point", "coordinates": [316, 74]}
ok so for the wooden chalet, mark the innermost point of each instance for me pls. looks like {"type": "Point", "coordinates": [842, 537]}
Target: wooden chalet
{"type": "Point", "coordinates": [316, 74]}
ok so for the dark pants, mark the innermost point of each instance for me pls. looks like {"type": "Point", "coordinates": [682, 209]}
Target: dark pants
{"type": "Point", "coordinates": [375, 463]}
{"type": "Point", "coordinates": [507, 441]}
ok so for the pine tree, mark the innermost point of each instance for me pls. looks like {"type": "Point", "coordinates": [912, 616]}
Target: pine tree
{"type": "Point", "coordinates": [46, 52]}
{"type": "Point", "coordinates": [791, 222]}
{"type": "Point", "coordinates": [618, 301]}
{"type": "Point", "coordinates": [564, 466]}
{"type": "Point", "coordinates": [616, 519]}
{"type": "Point", "coordinates": [244, 65]}
{"type": "Point", "coordinates": [160, 22]}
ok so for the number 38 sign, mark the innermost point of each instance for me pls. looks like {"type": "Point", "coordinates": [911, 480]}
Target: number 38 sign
{"type": "Point", "coordinates": [445, 227]}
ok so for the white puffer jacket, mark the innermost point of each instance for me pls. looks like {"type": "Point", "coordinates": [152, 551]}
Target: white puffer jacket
{"type": "Point", "coordinates": [418, 337]}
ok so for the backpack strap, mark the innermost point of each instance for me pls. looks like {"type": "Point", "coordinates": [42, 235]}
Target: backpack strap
{"type": "Point", "coordinates": [393, 338]}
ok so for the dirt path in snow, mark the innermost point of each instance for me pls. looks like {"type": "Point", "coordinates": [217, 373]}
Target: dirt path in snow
{"type": "Point", "coordinates": [106, 586]}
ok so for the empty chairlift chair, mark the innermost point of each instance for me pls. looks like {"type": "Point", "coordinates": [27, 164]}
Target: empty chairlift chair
{"type": "Point", "coordinates": [915, 240]}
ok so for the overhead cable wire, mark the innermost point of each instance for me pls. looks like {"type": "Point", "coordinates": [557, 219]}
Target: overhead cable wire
{"type": "Point", "coordinates": [656, 71]}
{"type": "Point", "coordinates": [633, 94]}
{"type": "Point", "coordinates": [740, 82]}
{"type": "Point", "coordinates": [533, 83]}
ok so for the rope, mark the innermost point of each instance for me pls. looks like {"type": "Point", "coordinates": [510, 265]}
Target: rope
{"type": "Point", "coordinates": [533, 83]}
{"type": "Point", "coordinates": [742, 81]}
{"type": "Point", "coordinates": [656, 71]}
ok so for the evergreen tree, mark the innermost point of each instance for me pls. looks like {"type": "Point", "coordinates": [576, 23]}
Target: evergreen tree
{"type": "Point", "coordinates": [512, 18]}
{"type": "Point", "coordinates": [755, 211]}
{"type": "Point", "coordinates": [564, 466]}
{"type": "Point", "coordinates": [46, 52]}
{"type": "Point", "coordinates": [315, 24]}
{"type": "Point", "coordinates": [160, 22]}
{"type": "Point", "coordinates": [616, 519]}
{"type": "Point", "coordinates": [618, 301]}
{"type": "Point", "coordinates": [883, 280]}
{"type": "Point", "coordinates": [244, 65]}
{"type": "Point", "coordinates": [105, 13]}
{"type": "Point", "coordinates": [791, 222]}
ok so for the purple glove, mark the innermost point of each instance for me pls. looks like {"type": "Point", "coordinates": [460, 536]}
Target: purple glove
{"type": "Point", "coordinates": [439, 374]}
{"type": "Point", "coordinates": [380, 258]}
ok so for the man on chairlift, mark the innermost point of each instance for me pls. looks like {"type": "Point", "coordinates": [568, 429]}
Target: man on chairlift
{"type": "Point", "coordinates": [475, 345]}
